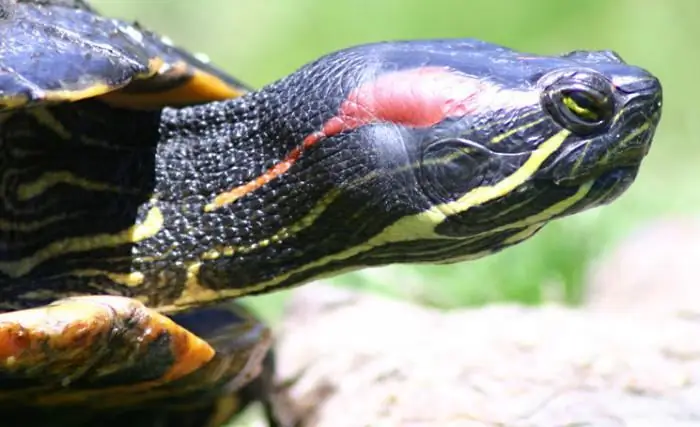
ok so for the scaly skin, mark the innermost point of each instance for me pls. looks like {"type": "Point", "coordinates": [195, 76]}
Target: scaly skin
{"type": "Point", "coordinates": [423, 151]}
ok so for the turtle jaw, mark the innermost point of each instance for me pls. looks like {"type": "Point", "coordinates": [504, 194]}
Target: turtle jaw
{"type": "Point", "coordinates": [603, 182]}
{"type": "Point", "coordinates": [609, 162]}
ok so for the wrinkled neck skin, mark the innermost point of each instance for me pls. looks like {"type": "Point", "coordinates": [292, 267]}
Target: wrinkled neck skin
{"type": "Point", "coordinates": [99, 200]}
{"type": "Point", "coordinates": [285, 232]}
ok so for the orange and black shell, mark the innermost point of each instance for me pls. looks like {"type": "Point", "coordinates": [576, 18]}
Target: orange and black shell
{"type": "Point", "coordinates": [63, 51]}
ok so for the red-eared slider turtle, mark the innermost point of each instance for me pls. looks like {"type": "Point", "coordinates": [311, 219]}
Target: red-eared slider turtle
{"type": "Point", "coordinates": [143, 190]}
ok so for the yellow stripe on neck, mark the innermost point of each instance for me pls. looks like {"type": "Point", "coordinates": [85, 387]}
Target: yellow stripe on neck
{"type": "Point", "coordinates": [414, 227]}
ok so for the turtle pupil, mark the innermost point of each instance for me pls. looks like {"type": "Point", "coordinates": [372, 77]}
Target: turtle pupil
{"type": "Point", "coordinates": [584, 105]}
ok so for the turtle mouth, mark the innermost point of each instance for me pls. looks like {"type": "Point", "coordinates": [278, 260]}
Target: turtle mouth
{"type": "Point", "coordinates": [604, 188]}
{"type": "Point", "coordinates": [576, 167]}
{"type": "Point", "coordinates": [600, 157]}
{"type": "Point", "coordinates": [607, 165]}
{"type": "Point", "coordinates": [609, 185]}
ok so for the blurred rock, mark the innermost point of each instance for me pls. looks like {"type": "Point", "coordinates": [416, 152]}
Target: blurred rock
{"type": "Point", "coordinates": [656, 269]}
{"type": "Point", "coordinates": [356, 360]}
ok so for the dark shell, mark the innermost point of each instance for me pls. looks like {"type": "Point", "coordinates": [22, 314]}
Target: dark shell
{"type": "Point", "coordinates": [62, 50]}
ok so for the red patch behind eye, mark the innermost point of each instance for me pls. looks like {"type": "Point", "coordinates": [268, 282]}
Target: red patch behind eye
{"type": "Point", "coordinates": [418, 97]}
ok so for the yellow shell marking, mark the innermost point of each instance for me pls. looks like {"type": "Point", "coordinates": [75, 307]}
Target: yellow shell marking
{"type": "Point", "coordinates": [26, 191]}
{"type": "Point", "coordinates": [151, 225]}
{"type": "Point", "coordinates": [133, 279]}
{"type": "Point", "coordinates": [50, 121]}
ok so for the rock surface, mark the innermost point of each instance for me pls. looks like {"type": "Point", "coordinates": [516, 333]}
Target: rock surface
{"type": "Point", "coordinates": [361, 360]}
{"type": "Point", "coordinates": [656, 269]}
{"type": "Point", "coordinates": [632, 358]}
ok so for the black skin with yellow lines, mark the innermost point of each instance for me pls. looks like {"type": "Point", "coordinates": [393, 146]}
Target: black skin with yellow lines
{"type": "Point", "coordinates": [63, 364]}
{"type": "Point", "coordinates": [429, 151]}
{"type": "Point", "coordinates": [371, 177]}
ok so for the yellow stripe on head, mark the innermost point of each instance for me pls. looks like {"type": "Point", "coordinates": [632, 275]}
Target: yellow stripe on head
{"type": "Point", "coordinates": [419, 226]}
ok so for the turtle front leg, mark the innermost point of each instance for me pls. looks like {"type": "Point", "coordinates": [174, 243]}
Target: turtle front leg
{"type": "Point", "coordinates": [96, 343]}
{"type": "Point", "coordinates": [91, 358]}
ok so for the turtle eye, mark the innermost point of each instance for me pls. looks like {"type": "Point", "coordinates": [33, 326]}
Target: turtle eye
{"type": "Point", "coordinates": [585, 106]}
{"type": "Point", "coordinates": [579, 107]}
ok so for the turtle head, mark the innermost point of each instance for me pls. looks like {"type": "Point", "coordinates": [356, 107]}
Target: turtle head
{"type": "Point", "coordinates": [611, 110]}
{"type": "Point", "coordinates": [525, 139]}
{"type": "Point", "coordinates": [455, 149]}
{"type": "Point", "coordinates": [430, 151]}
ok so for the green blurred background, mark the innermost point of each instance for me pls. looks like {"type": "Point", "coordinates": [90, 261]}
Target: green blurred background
{"type": "Point", "coordinates": [262, 40]}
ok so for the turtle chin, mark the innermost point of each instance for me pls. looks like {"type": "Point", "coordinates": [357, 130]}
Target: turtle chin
{"type": "Point", "coordinates": [604, 188]}
{"type": "Point", "coordinates": [611, 185]}
{"type": "Point", "coordinates": [603, 182]}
